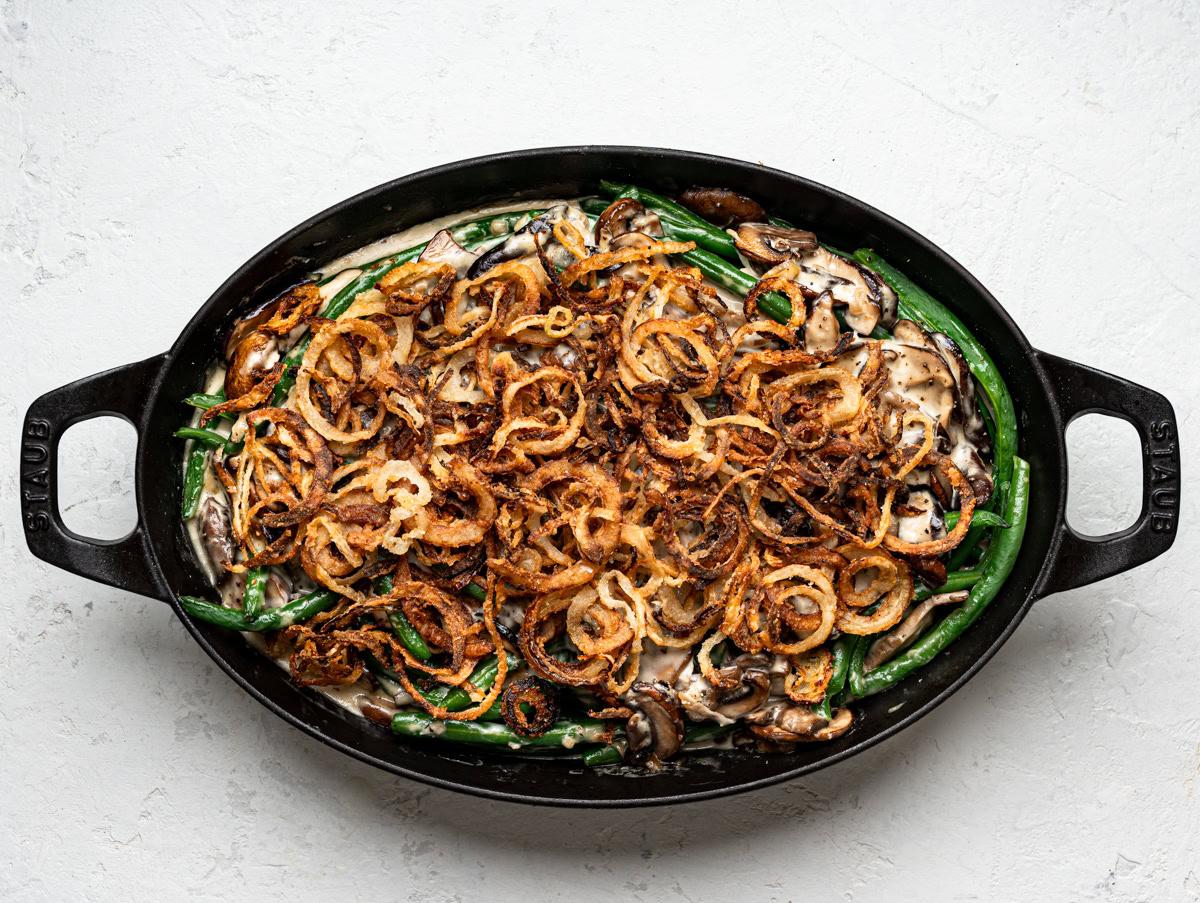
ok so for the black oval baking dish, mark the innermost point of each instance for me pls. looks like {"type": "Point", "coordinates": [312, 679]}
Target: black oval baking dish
{"type": "Point", "coordinates": [156, 559]}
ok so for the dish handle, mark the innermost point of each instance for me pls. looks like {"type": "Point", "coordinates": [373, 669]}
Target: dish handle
{"type": "Point", "coordinates": [121, 392]}
{"type": "Point", "coordinates": [1076, 559]}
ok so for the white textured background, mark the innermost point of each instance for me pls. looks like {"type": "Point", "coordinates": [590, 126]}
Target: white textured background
{"type": "Point", "coordinates": [148, 148]}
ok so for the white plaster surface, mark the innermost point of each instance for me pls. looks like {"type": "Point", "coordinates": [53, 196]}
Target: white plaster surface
{"type": "Point", "coordinates": [147, 148]}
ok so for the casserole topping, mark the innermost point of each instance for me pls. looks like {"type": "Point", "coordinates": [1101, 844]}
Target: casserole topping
{"type": "Point", "coordinates": [603, 475]}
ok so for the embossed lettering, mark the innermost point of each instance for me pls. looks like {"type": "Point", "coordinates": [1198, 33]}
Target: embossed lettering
{"type": "Point", "coordinates": [37, 521]}
{"type": "Point", "coordinates": [1160, 473]}
{"type": "Point", "coordinates": [1165, 498]}
{"type": "Point", "coordinates": [39, 478]}
{"type": "Point", "coordinates": [34, 454]}
{"type": "Point", "coordinates": [37, 429]}
{"type": "Point", "coordinates": [1160, 430]}
{"type": "Point", "coordinates": [1162, 523]}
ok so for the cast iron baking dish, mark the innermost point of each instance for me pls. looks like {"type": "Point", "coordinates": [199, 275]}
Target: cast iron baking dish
{"type": "Point", "coordinates": [156, 559]}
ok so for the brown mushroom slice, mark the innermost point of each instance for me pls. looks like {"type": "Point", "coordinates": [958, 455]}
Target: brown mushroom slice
{"type": "Point", "coordinates": [279, 589]}
{"type": "Point", "coordinates": [824, 271]}
{"type": "Point", "coordinates": [442, 248]}
{"type": "Point", "coordinates": [771, 245]}
{"type": "Point", "coordinates": [927, 525]}
{"type": "Point", "coordinates": [821, 329]}
{"type": "Point", "coordinates": [920, 376]}
{"type": "Point", "coordinates": [904, 634]}
{"type": "Point", "coordinates": [251, 356]}
{"type": "Point", "coordinates": [750, 678]}
{"type": "Point", "coordinates": [969, 441]}
{"type": "Point", "coordinates": [622, 216]}
{"type": "Point", "coordinates": [787, 723]}
{"type": "Point", "coordinates": [655, 729]}
{"type": "Point", "coordinates": [722, 206]}
{"type": "Point", "coordinates": [215, 531]}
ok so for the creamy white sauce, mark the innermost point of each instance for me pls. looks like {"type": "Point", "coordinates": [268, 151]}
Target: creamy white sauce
{"type": "Point", "coordinates": [415, 235]}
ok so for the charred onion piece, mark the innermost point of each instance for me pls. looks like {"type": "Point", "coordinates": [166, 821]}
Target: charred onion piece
{"type": "Point", "coordinates": [540, 696]}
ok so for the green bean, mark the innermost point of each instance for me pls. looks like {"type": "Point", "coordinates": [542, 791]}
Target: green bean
{"type": "Point", "coordinates": [970, 544]}
{"type": "Point", "coordinates": [475, 591]}
{"type": "Point", "coordinates": [729, 277]}
{"type": "Point", "coordinates": [979, 518]}
{"type": "Point", "coordinates": [955, 581]}
{"type": "Point", "coordinates": [204, 401]}
{"type": "Point", "coordinates": [193, 479]}
{"type": "Point", "coordinates": [854, 669]}
{"type": "Point", "coordinates": [681, 224]}
{"type": "Point", "coordinates": [565, 734]}
{"type": "Point", "coordinates": [602, 755]}
{"type": "Point", "coordinates": [981, 522]}
{"type": "Point", "coordinates": [405, 632]}
{"type": "Point", "coordinates": [211, 438]}
{"type": "Point", "coordinates": [256, 588]}
{"type": "Point", "coordinates": [295, 612]}
{"type": "Point", "coordinates": [593, 207]}
{"type": "Point", "coordinates": [918, 305]}
{"type": "Point", "coordinates": [999, 562]}
{"type": "Point", "coordinates": [842, 648]}
{"type": "Point", "coordinates": [455, 699]}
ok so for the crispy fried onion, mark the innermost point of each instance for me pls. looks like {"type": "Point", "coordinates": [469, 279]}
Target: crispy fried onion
{"type": "Point", "coordinates": [333, 386]}
{"type": "Point", "coordinates": [530, 706]}
{"type": "Point", "coordinates": [293, 309]}
{"type": "Point", "coordinates": [633, 460]}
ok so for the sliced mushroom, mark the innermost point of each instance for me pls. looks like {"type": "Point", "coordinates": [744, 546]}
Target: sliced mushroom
{"type": "Point", "coordinates": [254, 354]}
{"type": "Point", "coordinates": [869, 300]}
{"type": "Point", "coordinates": [821, 329]}
{"type": "Point", "coordinates": [753, 686]}
{"type": "Point", "coordinates": [969, 441]}
{"type": "Point", "coordinates": [521, 243]}
{"type": "Point", "coordinates": [215, 530]}
{"type": "Point", "coordinates": [663, 663]}
{"type": "Point", "coordinates": [375, 708]}
{"type": "Point", "coordinates": [722, 206]}
{"type": "Point", "coordinates": [967, 459]}
{"type": "Point", "coordinates": [248, 324]}
{"type": "Point", "coordinates": [442, 248]}
{"type": "Point", "coordinates": [918, 375]}
{"type": "Point", "coordinates": [849, 283]}
{"type": "Point", "coordinates": [623, 216]}
{"type": "Point", "coordinates": [929, 521]}
{"type": "Point", "coordinates": [906, 632]}
{"type": "Point", "coordinates": [770, 245]}
{"type": "Point", "coordinates": [655, 729]}
{"type": "Point", "coordinates": [786, 723]}
{"type": "Point", "coordinates": [968, 402]}
{"type": "Point", "coordinates": [278, 591]}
